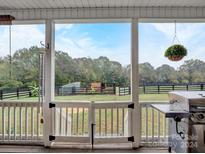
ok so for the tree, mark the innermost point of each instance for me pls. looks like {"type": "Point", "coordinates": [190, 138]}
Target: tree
{"type": "Point", "coordinates": [25, 65]}
{"type": "Point", "coordinates": [66, 69]}
{"type": "Point", "coordinates": [147, 73]}
{"type": "Point", "coordinates": [166, 73]}
{"type": "Point", "coordinates": [192, 71]}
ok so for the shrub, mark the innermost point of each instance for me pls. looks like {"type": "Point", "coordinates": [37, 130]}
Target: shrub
{"type": "Point", "coordinates": [34, 90]}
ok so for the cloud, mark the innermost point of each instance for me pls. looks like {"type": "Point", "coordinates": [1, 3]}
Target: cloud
{"type": "Point", "coordinates": [86, 46]}
{"type": "Point", "coordinates": [23, 36]}
{"type": "Point", "coordinates": [185, 31]}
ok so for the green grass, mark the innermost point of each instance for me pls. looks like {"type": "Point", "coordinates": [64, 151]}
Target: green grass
{"type": "Point", "coordinates": [142, 97]}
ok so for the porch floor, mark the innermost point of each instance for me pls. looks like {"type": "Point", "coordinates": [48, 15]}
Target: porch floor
{"type": "Point", "coordinates": [41, 149]}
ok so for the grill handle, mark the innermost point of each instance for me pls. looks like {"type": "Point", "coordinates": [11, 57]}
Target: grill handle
{"type": "Point", "coordinates": [178, 119]}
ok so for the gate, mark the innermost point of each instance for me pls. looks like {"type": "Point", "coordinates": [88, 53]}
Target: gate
{"type": "Point", "coordinates": [70, 122]}
{"type": "Point", "coordinates": [91, 122]}
{"type": "Point", "coordinates": [112, 122]}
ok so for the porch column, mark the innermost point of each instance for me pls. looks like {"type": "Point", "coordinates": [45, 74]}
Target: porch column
{"type": "Point", "coordinates": [136, 119]}
{"type": "Point", "coordinates": [49, 79]}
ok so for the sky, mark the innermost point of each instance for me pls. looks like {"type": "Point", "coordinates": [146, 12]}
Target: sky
{"type": "Point", "coordinates": [111, 40]}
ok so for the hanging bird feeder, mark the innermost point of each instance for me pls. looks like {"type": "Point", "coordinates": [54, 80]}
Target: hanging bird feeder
{"type": "Point", "coordinates": [175, 52]}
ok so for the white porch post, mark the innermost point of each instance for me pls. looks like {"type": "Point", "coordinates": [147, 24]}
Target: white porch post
{"type": "Point", "coordinates": [49, 79]}
{"type": "Point", "coordinates": [136, 119]}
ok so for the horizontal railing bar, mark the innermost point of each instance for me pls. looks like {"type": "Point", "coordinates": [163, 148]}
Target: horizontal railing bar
{"type": "Point", "coordinates": [102, 102]}
{"type": "Point", "coordinates": [23, 137]}
{"type": "Point", "coordinates": [111, 104]}
{"type": "Point", "coordinates": [18, 103]}
{"type": "Point", "coordinates": [78, 139]}
{"type": "Point", "coordinates": [111, 139]}
{"type": "Point", "coordinates": [73, 104]}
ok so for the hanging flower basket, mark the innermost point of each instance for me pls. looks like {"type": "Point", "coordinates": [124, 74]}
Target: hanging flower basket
{"type": "Point", "coordinates": [175, 52]}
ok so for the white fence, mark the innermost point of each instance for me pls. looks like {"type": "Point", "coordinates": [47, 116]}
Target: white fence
{"type": "Point", "coordinates": [20, 122]}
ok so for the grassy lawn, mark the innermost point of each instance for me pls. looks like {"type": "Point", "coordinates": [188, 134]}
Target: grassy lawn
{"type": "Point", "coordinates": [83, 122]}
{"type": "Point", "coordinates": [142, 97]}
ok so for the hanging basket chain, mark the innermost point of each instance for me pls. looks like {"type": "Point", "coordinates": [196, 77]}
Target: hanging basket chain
{"type": "Point", "coordinates": [175, 38]}
{"type": "Point", "coordinates": [10, 54]}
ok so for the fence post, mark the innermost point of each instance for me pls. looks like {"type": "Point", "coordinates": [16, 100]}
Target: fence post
{"type": "Point", "coordinates": [17, 93]}
{"type": "Point", "coordinates": [202, 87]}
{"type": "Point", "coordinates": [158, 89]}
{"type": "Point", "coordinates": [173, 87]}
{"type": "Point", "coordinates": [114, 88]}
{"type": "Point", "coordinates": [119, 91]}
{"type": "Point", "coordinates": [129, 90]}
{"type": "Point", "coordinates": [30, 93]}
{"type": "Point", "coordinates": [1, 94]}
{"type": "Point", "coordinates": [144, 89]}
{"type": "Point", "coordinates": [187, 87]}
{"type": "Point", "coordinates": [58, 90]}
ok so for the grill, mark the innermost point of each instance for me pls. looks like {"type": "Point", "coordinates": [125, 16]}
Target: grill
{"type": "Point", "coordinates": [186, 113]}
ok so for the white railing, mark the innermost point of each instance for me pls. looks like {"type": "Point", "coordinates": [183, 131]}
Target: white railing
{"type": "Point", "coordinates": [72, 121]}
{"type": "Point", "coordinates": [71, 118]}
{"type": "Point", "coordinates": [154, 125]}
{"type": "Point", "coordinates": [111, 120]}
{"type": "Point", "coordinates": [20, 122]}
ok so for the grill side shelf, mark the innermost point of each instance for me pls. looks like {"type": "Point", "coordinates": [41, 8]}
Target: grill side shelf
{"type": "Point", "coordinates": [165, 108]}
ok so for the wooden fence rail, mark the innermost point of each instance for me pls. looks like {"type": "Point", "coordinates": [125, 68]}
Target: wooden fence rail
{"type": "Point", "coordinates": [162, 88]}
{"type": "Point", "coordinates": [121, 91]}
{"type": "Point", "coordinates": [83, 91]}
{"type": "Point", "coordinates": [14, 93]}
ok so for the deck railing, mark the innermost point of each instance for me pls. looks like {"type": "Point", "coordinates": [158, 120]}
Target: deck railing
{"type": "Point", "coordinates": [71, 118]}
{"type": "Point", "coordinates": [154, 125]}
{"type": "Point", "coordinates": [20, 122]}
{"type": "Point", "coordinates": [111, 121]}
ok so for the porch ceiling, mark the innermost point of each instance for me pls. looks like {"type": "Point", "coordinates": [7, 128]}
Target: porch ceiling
{"type": "Point", "coordinates": [36, 4]}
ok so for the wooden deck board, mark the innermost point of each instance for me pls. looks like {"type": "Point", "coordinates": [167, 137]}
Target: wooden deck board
{"type": "Point", "coordinates": [41, 149]}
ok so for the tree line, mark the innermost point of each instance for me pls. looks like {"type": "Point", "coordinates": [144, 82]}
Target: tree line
{"type": "Point", "coordinates": [191, 71]}
{"type": "Point", "coordinates": [25, 70]}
